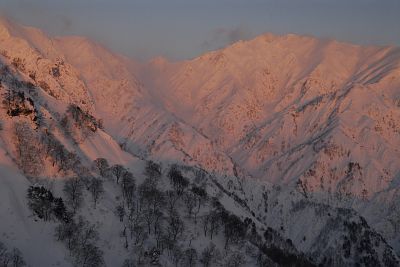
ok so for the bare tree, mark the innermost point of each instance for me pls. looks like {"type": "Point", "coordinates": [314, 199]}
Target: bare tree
{"type": "Point", "coordinates": [124, 234]}
{"type": "Point", "coordinates": [101, 165]}
{"type": "Point", "coordinates": [140, 235]}
{"type": "Point", "coordinates": [85, 251]}
{"type": "Point", "coordinates": [234, 229]}
{"type": "Point", "coordinates": [11, 258]}
{"type": "Point", "coordinates": [171, 199]}
{"type": "Point", "coordinates": [263, 260]}
{"type": "Point", "coordinates": [190, 256]}
{"type": "Point", "coordinates": [90, 256]}
{"type": "Point", "coordinates": [152, 170]}
{"type": "Point", "coordinates": [178, 182]}
{"type": "Point", "coordinates": [210, 255]}
{"type": "Point", "coordinates": [17, 259]}
{"type": "Point", "coordinates": [200, 196]}
{"type": "Point", "coordinates": [148, 216]}
{"type": "Point", "coordinates": [235, 260]}
{"type": "Point", "coordinates": [394, 219]}
{"type": "Point", "coordinates": [129, 263]}
{"type": "Point", "coordinates": [87, 232]}
{"type": "Point", "coordinates": [96, 189]}
{"type": "Point", "coordinates": [159, 235]}
{"type": "Point", "coordinates": [177, 255]}
{"type": "Point", "coordinates": [73, 189]}
{"type": "Point", "coordinates": [190, 201]}
{"type": "Point", "coordinates": [120, 212]}
{"type": "Point", "coordinates": [206, 222]}
{"type": "Point", "coordinates": [67, 160]}
{"type": "Point", "coordinates": [211, 223]}
{"type": "Point", "coordinates": [66, 232]}
{"type": "Point", "coordinates": [175, 225]}
{"type": "Point", "coordinates": [118, 170]}
{"type": "Point", "coordinates": [128, 188]}
{"type": "Point", "coordinates": [4, 255]}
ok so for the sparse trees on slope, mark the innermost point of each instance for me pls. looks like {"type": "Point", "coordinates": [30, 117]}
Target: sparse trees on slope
{"type": "Point", "coordinates": [60, 156]}
{"type": "Point", "coordinates": [80, 120]}
{"type": "Point", "coordinates": [80, 238]}
{"type": "Point", "coordinates": [28, 149]}
{"type": "Point", "coordinates": [17, 103]}
{"type": "Point", "coordinates": [152, 201]}
{"type": "Point", "coordinates": [83, 118]}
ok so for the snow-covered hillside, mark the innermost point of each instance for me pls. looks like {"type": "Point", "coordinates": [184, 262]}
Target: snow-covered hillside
{"type": "Point", "coordinates": [285, 147]}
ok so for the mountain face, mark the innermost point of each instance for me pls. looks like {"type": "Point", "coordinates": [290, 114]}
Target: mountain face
{"type": "Point", "coordinates": [293, 140]}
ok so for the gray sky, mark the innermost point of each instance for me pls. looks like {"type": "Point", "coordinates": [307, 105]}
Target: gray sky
{"type": "Point", "coordinates": [180, 29]}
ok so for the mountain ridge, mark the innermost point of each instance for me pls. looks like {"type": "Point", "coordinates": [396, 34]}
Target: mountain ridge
{"type": "Point", "coordinates": [282, 131]}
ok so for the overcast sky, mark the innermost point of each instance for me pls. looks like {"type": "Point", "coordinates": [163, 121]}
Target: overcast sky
{"type": "Point", "coordinates": [180, 29]}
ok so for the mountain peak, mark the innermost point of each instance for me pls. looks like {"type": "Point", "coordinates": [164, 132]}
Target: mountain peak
{"type": "Point", "coordinates": [295, 41]}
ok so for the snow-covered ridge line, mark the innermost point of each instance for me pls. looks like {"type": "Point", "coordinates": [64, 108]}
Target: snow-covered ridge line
{"type": "Point", "coordinates": [289, 130]}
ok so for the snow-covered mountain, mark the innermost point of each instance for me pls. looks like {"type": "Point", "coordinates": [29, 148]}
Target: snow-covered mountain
{"type": "Point", "coordinates": [297, 136]}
